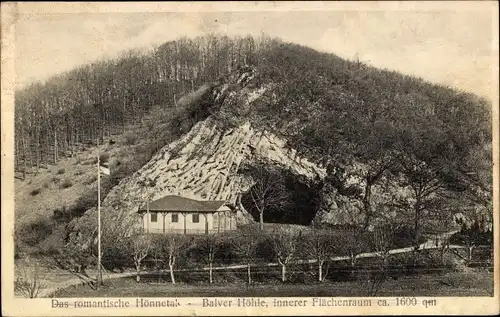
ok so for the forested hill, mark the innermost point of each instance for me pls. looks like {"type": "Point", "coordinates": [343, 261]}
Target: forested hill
{"type": "Point", "coordinates": [384, 129]}
{"type": "Point", "coordinates": [77, 107]}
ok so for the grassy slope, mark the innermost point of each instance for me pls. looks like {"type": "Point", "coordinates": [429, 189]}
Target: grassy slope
{"type": "Point", "coordinates": [80, 172]}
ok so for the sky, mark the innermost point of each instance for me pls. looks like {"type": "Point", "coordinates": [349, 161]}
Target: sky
{"type": "Point", "coordinates": [442, 45]}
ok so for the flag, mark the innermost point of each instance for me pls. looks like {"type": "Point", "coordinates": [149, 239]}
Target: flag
{"type": "Point", "coordinates": [104, 168]}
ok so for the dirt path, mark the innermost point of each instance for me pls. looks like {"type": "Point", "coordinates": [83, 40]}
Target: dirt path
{"type": "Point", "coordinates": [74, 280]}
{"type": "Point", "coordinates": [424, 246]}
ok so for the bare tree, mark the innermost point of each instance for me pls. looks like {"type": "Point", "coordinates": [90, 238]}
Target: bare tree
{"type": "Point", "coordinates": [30, 281]}
{"type": "Point", "coordinates": [444, 247]}
{"type": "Point", "coordinates": [285, 242]}
{"type": "Point", "coordinates": [353, 244]}
{"type": "Point", "coordinates": [268, 191]}
{"type": "Point", "coordinates": [245, 246]}
{"type": "Point", "coordinates": [320, 245]}
{"type": "Point", "coordinates": [209, 244]}
{"type": "Point", "coordinates": [426, 188]}
{"type": "Point", "coordinates": [173, 245]}
{"type": "Point", "coordinates": [140, 246]}
{"type": "Point", "coordinates": [382, 239]}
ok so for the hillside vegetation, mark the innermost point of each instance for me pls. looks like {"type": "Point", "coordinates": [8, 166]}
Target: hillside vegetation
{"type": "Point", "coordinates": [397, 150]}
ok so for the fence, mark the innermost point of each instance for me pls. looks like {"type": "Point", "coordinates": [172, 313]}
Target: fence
{"type": "Point", "coordinates": [296, 273]}
{"type": "Point", "coordinates": [300, 271]}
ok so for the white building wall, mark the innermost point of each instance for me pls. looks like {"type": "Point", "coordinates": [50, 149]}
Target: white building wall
{"type": "Point", "coordinates": [174, 226]}
{"type": "Point", "coordinates": [150, 226]}
{"type": "Point", "coordinates": [190, 225]}
{"type": "Point", "coordinates": [220, 221]}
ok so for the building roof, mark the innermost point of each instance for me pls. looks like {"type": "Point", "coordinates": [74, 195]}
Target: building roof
{"type": "Point", "coordinates": [172, 203]}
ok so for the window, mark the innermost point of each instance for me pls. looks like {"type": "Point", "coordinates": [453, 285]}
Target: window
{"type": "Point", "coordinates": [175, 218]}
{"type": "Point", "coordinates": [196, 218]}
{"type": "Point", "coordinates": [154, 217]}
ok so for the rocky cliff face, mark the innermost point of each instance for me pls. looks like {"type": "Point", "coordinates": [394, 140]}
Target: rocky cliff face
{"type": "Point", "coordinates": [204, 164]}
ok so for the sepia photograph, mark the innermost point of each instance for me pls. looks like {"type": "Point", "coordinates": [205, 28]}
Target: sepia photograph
{"type": "Point", "coordinates": [253, 157]}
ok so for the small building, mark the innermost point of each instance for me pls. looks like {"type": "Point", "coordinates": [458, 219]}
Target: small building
{"type": "Point", "coordinates": [176, 214]}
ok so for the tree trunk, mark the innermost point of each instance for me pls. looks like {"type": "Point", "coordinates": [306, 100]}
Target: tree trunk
{"type": "Point", "coordinates": [249, 274]}
{"type": "Point", "coordinates": [470, 253]}
{"type": "Point", "coordinates": [283, 272]}
{"type": "Point", "coordinates": [38, 155]}
{"type": "Point", "coordinates": [352, 257]}
{"type": "Point", "coordinates": [25, 155]}
{"type": "Point", "coordinates": [172, 277]}
{"type": "Point", "coordinates": [416, 233]}
{"type": "Point", "coordinates": [123, 116]}
{"type": "Point", "coordinates": [16, 154]}
{"type": "Point", "coordinates": [138, 273]}
{"type": "Point", "coordinates": [353, 262]}
{"type": "Point", "coordinates": [261, 220]}
{"type": "Point", "coordinates": [442, 253]}
{"type": "Point", "coordinates": [367, 203]}
{"type": "Point", "coordinates": [210, 272]}
{"type": "Point", "coordinates": [384, 259]}
{"type": "Point", "coordinates": [320, 271]}
{"type": "Point", "coordinates": [55, 147]}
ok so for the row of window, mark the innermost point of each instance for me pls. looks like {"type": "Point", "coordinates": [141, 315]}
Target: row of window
{"type": "Point", "coordinates": [175, 218]}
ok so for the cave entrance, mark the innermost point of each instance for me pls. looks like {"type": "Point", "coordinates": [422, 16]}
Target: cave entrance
{"type": "Point", "coordinates": [299, 204]}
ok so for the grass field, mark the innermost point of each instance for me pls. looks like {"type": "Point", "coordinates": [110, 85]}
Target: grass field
{"type": "Point", "coordinates": [477, 283]}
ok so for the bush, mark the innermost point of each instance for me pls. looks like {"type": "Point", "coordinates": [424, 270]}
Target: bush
{"type": "Point", "coordinates": [61, 171]}
{"type": "Point", "coordinates": [55, 179]}
{"type": "Point", "coordinates": [129, 138]}
{"type": "Point", "coordinates": [103, 157]}
{"type": "Point", "coordinates": [66, 214]}
{"type": "Point", "coordinates": [403, 237]}
{"type": "Point", "coordinates": [90, 161]}
{"type": "Point", "coordinates": [116, 258]}
{"type": "Point", "coordinates": [66, 184]}
{"type": "Point", "coordinates": [265, 250]}
{"type": "Point", "coordinates": [472, 235]}
{"type": "Point", "coordinates": [35, 232]}
{"type": "Point", "coordinates": [62, 214]}
{"type": "Point", "coordinates": [453, 262]}
{"type": "Point", "coordinates": [35, 191]}
{"type": "Point", "coordinates": [90, 180]}
{"type": "Point", "coordinates": [84, 203]}
{"type": "Point", "coordinates": [127, 168]}
{"type": "Point", "coordinates": [53, 243]}
{"type": "Point", "coordinates": [467, 280]}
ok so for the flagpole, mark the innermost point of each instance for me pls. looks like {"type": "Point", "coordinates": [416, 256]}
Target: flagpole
{"type": "Point", "coordinates": [98, 218]}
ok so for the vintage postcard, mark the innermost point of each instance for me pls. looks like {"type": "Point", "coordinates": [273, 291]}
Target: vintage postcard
{"type": "Point", "coordinates": [249, 158]}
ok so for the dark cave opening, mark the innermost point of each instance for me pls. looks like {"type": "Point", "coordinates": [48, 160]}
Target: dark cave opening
{"type": "Point", "coordinates": [300, 205]}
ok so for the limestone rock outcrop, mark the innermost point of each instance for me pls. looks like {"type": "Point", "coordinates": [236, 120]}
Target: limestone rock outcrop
{"type": "Point", "coordinates": [204, 164]}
